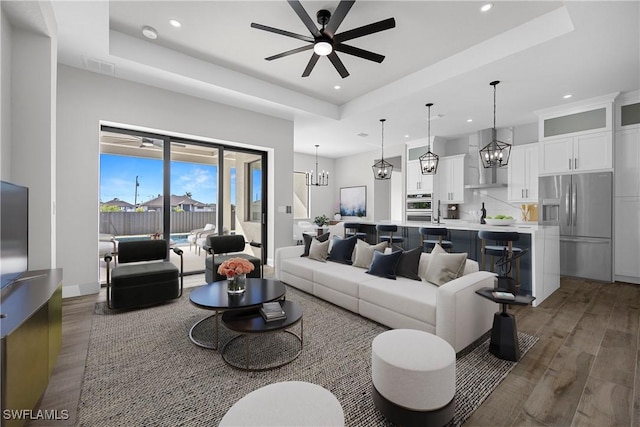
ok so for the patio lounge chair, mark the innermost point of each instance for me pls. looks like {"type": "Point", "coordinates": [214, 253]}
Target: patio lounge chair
{"type": "Point", "coordinates": [200, 233]}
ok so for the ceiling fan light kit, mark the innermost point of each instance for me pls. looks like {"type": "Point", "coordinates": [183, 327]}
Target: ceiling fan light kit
{"type": "Point", "coordinates": [325, 41]}
{"type": "Point", "coordinates": [429, 160]}
{"type": "Point", "coordinates": [496, 153]}
{"type": "Point", "coordinates": [382, 169]}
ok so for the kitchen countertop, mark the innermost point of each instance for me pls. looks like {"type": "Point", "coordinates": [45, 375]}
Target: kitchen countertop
{"type": "Point", "coordinates": [458, 224]}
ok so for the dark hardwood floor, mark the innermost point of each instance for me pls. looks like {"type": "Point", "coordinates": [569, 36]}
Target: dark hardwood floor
{"type": "Point", "coordinates": [584, 370]}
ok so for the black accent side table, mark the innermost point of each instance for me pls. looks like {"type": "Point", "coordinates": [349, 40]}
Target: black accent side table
{"type": "Point", "coordinates": [504, 335]}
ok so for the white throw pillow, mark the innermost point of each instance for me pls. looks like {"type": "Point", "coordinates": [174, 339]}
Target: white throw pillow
{"type": "Point", "coordinates": [319, 250]}
{"type": "Point", "coordinates": [364, 253]}
{"type": "Point", "coordinates": [443, 266]}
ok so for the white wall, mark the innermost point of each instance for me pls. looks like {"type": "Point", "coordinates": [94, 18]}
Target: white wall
{"type": "Point", "coordinates": [324, 200]}
{"type": "Point", "coordinates": [5, 96]}
{"type": "Point", "coordinates": [356, 170]}
{"type": "Point", "coordinates": [29, 56]}
{"type": "Point", "coordinates": [85, 99]}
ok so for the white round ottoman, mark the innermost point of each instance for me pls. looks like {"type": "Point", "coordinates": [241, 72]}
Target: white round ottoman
{"type": "Point", "coordinates": [414, 377]}
{"type": "Point", "coordinates": [290, 403]}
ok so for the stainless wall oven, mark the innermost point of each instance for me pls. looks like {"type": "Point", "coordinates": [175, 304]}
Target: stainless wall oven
{"type": "Point", "coordinates": [419, 208]}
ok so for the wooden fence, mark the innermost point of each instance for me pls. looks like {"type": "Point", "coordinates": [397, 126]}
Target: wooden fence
{"type": "Point", "coordinates": [135, 223]}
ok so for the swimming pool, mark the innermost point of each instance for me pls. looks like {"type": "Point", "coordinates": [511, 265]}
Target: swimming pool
{"type": "Point", "coordinates": [178, 238]}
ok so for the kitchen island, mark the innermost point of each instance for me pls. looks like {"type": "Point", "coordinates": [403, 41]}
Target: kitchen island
{"type": "Point", "coordinates": [539, 268]}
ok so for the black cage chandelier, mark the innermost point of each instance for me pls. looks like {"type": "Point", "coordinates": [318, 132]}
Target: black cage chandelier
{"type": "Point", "coordinates": [382, 169]}
{"type": "Point", "coordinates": [429, 160]}
{"type": "Point", "coordinates": [321, 178]}
{"type": "Point", "coordinates": [496, 153]}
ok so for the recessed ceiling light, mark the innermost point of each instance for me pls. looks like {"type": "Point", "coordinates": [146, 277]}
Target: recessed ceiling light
{"type": "Point", "coordinates": [337, 87]}
{"type": "Point", "coordinates": [469, 120]}
{"type": "Point", "coordinates": [406, 136]}
{"type": "Point", "coordinates": [567, 96]}
{"type": "Point", "coordinates": [486, 7]}
{"type": "Point", "coordinates": [149, 32]}
{"type": "Point", "coordinates": [175, 23]}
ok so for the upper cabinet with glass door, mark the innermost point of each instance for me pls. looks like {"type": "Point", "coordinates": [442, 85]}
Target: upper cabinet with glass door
{"type": "Point", "coordinates": [577, 138]}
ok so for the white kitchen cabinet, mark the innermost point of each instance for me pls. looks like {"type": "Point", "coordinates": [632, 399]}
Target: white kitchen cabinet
{"type": "Point", "coordinates": [627, 239]}
{"type": "Point", "coordinates": [584, 153]}
{"type": "Point", "coordinates": [627, 164]}
{"type": "Point", "coordinates": [416, 182]}
{"type": "Point", "coordinates": [450, 179]}
{"type": "Point", "coordinates": [523, 173]}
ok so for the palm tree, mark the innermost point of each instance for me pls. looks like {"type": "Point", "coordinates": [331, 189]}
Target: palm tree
{"type": "Point", "coordinates": [188, 194]}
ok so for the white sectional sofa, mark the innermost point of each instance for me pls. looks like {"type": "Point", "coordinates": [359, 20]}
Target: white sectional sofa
{"type": "Point", "coordinates": [452, 311]}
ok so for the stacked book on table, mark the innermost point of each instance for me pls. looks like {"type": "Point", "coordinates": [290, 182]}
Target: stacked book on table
{"type": "Point", "coordinates": [272, 311]}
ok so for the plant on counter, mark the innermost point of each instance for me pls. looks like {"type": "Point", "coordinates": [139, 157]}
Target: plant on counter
{"type": "Point", "coordinates": [321, 220]}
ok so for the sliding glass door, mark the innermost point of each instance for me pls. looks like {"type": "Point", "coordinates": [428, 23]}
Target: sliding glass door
{"type": "Point", "coordinates": [153, 186]}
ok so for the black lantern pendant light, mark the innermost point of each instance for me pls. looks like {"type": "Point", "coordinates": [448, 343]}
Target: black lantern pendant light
{"type": "Point", "coordinates": [429, 160]}
{"type": "Point", "coordinates": [321, 179]}
{"type": "Point", "coordinates": [382, 169]}
{"type": "Point", "coordinates": [496, 153]}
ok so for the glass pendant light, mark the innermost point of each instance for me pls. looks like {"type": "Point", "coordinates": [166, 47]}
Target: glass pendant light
{"type": "Point", "coordinates": [429, 160]}
{"type": "Point", "coordinates": [382, 169]}
{"type": "Point", "coordinates": [496, 153]}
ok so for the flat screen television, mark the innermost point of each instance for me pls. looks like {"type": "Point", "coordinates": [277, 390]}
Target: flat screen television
{"type": "Point", "coordinates": [14, 232]}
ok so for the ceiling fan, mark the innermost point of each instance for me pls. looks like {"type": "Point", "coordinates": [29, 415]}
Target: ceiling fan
{"type": "Point", "coordinates": [325, 41]}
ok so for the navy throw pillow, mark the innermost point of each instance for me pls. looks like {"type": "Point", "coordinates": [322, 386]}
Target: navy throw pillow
{"type": "Point", "coordinates": [307, 241]}
{"type": "Point", "coordinates": [408, 264]}
{"type": "Point", "coordinates": [384, 265]}
{"type": "Point", "coordinates": [342, 250]}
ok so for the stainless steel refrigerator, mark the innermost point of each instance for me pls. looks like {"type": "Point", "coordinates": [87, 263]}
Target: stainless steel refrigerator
{"type": "Point", "coordinates": [581, 205]}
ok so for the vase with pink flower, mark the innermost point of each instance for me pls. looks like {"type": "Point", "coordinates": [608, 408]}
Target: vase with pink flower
{"type": "Point", "coordinates": [236, 269]}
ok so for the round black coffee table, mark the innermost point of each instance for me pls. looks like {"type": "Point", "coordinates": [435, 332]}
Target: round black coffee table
{"type": "Point", "coordinates": [251, 322]}
{"type": "Point", "coordinates": [214, 297]}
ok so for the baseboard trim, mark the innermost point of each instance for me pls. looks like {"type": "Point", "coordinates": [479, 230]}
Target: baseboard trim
{"type": "Point", "coordinates": [72, 291]}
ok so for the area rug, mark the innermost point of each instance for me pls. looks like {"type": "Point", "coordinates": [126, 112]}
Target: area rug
{"type": "Point", "coordinates": [142, 368]}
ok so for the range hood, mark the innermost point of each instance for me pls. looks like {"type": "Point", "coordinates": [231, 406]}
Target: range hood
{"type": "Point", "coordinates": [479, 176]}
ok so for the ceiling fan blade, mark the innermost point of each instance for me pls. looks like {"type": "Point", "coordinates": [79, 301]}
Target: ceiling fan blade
{"type": "Point", "coordinates": [304, 17]}
{"type": "Point", "coordinates": [312, 63]}
{"type": "Point", "coordinates": [338, 16]}
{"type": "Point", "coordinates": [289, 52]}
{"type": "Point", "coordinates": [365, 30]}
{"type": "Point", "coordinates": [338, 64]}
{"type": "Point", "coordinates": [360, 53]}
{"type": "Point", "coordinates": [282, 32]}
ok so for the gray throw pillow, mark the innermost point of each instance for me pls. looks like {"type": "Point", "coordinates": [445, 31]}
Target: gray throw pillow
{"type": "Point", "coordinates": [319, 250]}
{"type": "Point", "coordinates": [364, 253]}
{"type": "Point", "coordinates": [408, 264]}
{"type": "Point", "coordinates": [307, 241]}
{"type": "Point", "coordinates": [443, 266]}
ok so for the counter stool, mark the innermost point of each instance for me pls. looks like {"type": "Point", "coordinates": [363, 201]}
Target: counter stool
{"type": "Point", "coordinates": [504, 242]}
{"type": "Point", "coordinates": [428, 244]}
{"type": "Point", "coordinates": [414, 377]}
{"type": "Point", "coordinates": [390, 239]}
{"type": "Point", "coordinates": [353, 229]}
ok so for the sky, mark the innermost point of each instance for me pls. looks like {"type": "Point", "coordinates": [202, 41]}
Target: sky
{"type": "Point", "coordinates": [118, 179]}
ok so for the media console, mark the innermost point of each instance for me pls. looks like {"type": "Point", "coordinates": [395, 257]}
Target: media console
{"type": "Point", "coordinates": [31, 325]}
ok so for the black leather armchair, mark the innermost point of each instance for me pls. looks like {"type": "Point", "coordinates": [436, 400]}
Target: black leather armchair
{"type": "Point", "coordinates": [143, 283]}
{"type": "Point", "coordinates": [222, 248]}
